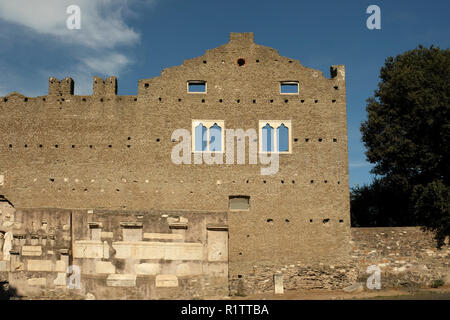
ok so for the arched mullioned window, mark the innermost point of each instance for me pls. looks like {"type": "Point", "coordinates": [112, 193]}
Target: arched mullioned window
{"type": "Point", "coordinates": [267, 138]}
{"type": "Point", "coordinates": [283, 138]}
{"type": "Point", "coordinates": [200, 137]}
{"type": "Point", "coordinates": [275, 136]}
{"type": "Point", "coordinates": [208, 135]}
{"type": "Point", "coordinates": [215, 138]}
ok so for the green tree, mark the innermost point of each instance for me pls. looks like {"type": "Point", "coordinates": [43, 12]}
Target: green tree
{"type": "Point", "coordinates": [379, 204]}
{"type": "Point", "coordinates": [407, 135]}
{"type": "Point", "coordinates": [432, 205]}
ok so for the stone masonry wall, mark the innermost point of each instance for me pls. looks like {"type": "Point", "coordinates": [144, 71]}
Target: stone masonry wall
{"type": "Point", "coordinates": [114, 254]}
{"type": "Point", "coordinates": [406, 256]}
{"type": "Point", "coordinates": [110, 151]}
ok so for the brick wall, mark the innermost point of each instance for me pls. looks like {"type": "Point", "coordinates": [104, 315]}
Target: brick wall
{"type": "Point", "coordinates": [109, 151]}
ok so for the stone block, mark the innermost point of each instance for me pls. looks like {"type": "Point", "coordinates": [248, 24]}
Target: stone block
{"type": "Point", "coordinates": [189, 269]}
{"type": "Point", "coordinates": [61, 279]}
{"type": "Point", "coordinates": [166, 281]}
{"type": "Point", "coordinates": [121, 280]}
{"type": "Point", "coordinates": [278, 279]}
{"type": "Point", "coordinates": [37, 282]}
{"type": "Point", "coordinates": [61, 266]}
{"type": "Point", "coordinates": [183, 251]}
{"type": "Point", "coordinates": [106, 235]}
{"type": "Point", "coordinates": [103, 267]}
{"type": "Point", "coordinates": [158, 250]}
{"type": "Point", "coordinates": [132, 234]}
{"type": "Point", "coordinates": [163, 236]}
{"type": "Point", "coordinates": [105, 250]}
{"type": "Point", "coordinates": [3, 266]}
{"type": "Point", "coordinates": [17, 266]}
{"type": "Point", "coordinates": [147, 268]}
{"type": "Point", "coordinates": [96, 233]}
{"type": "Point", "coordinates": [139, 250]}
{"type": "Point", "coordinates": [33, 251]}
{"type": "Point", "coordinates": [39, 265]}
{"type": "Point", "coordinates": [88, 249]}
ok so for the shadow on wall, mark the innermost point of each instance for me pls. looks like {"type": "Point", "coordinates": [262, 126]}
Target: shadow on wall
{"type": "Point", "coordinates": [7, 292]}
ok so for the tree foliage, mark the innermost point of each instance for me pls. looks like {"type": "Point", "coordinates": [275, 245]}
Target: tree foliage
{"type": "Point", "coordinates": [379, 204]}
{"type": "Point", "coordinates": [432, 207]}
{"type": "Point", "coordinates": [407, 136]}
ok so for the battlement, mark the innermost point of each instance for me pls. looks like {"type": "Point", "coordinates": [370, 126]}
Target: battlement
{"type": "Point", "coordinates": [60, 88]}
{"type": "Point", "coordinates": [337, 72]}
{"type": "Point", "coordinates": [107, 87]}
{"type": "Point", "coordinates": [252, 59]}
{"type": "Point", "coordinates": [244, 37]}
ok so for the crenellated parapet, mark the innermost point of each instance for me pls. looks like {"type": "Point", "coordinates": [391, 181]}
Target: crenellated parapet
{"type": "Point", "coordinates": [244, 37]}
{"type": "Point", "coordinates": [60, 88]}
{"type": "Point", "coordinates": [338, 72]}
{"type": "Point", "coordinates": [107, 87]}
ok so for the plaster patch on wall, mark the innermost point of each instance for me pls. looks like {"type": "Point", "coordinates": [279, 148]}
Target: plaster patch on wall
{"type": "Point", "coordinates": [217, 246]}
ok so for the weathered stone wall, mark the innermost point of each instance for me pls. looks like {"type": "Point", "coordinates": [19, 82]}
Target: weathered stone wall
{"type": "Point", "coordinates": [176, 255]}
{"type": "Point", "coordinates": [407, 257]}
{"type": "Point", "coordinates": [108, 151]}
{"type": "Point", "coordinates": [117, 255]}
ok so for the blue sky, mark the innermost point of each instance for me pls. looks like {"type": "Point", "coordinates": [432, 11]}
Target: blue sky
{"type": "Point", "coordinates": [135, 39]}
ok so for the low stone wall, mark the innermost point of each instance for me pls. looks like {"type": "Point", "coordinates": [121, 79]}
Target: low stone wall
{"type": "Point", "coordinates": [114, 254]}
{"type": "Point", "coordinates": [406, 257]}
{"type": "Point", "coordinates": [295, 276]}
{"type": "Point", "coordinates": [184, 255]}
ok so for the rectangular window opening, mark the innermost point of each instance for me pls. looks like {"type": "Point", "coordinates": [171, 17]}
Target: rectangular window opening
{"type": "Point", "coordinates": [208, 136]}
{"type": "Point", "coordinates": [275, 136]}
{"type": "Point", "coordinates": [289, 87]}
{"type": "Point", "coordinates": [239, 203]}
{"type": "Point", "coordinates": [196, 86]}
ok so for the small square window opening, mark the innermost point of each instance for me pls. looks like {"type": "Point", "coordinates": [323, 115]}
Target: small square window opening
{"type": "Point", "coordinates": [289, 87]}
{"type": "Point", "coordinates": [239, 203]}
{"type": "Point", "coordinates": [196, 86]}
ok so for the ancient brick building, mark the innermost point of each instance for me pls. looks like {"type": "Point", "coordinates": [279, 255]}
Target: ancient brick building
{"type": "Point", "coordinates": [91, 181]}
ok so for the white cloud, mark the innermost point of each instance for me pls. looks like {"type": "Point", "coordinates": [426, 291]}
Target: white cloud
{"type": "Point", "coordinates": [359, 164]}
{"type": "Point", "coordinates": [110, 64]}
{"type": "Point", "coordinates": [95, 49]}
{"type": "Point", "coordinates": [102, 24]}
